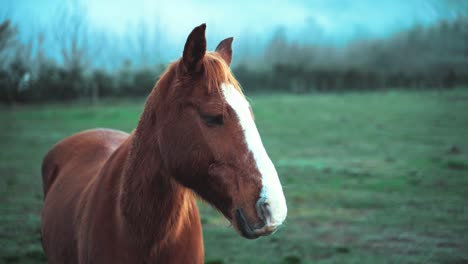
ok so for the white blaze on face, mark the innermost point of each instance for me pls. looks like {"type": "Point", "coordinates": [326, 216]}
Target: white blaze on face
{"type": "Point", "coordinates": [272, 190]}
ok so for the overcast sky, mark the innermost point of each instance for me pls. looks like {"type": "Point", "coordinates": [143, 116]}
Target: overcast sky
{"type": "Point", "coordinates": [334, 17]}
{"type": "Point", "coordinates": [322, 21]}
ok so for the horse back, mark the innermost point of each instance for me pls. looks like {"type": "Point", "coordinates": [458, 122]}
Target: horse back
{"type": "Point", "coordinates": [87, 147]}
{"type": "Point", "coordinates": [67, 169]}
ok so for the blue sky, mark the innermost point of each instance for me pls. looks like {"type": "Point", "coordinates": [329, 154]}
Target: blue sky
{"type": "Point", "coordinates": [333, 17]}
{"type": "Point", "coordinates": [332, 22]}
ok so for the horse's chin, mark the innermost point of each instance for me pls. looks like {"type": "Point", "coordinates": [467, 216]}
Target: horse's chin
{"type": "Point", "coordinates": [249, 230]}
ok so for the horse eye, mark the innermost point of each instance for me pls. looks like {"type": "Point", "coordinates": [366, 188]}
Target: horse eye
{"type": "Point", "coordinates": [213, 120]}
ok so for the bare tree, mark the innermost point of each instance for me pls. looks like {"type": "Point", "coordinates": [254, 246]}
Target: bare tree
{"type": "Point", "coordinates": [148, 43]}
{"type": "Point", "coordinates": [157, 43]}
{"type": "Point", "coordinates": [246, 43]}
{"type": "Point", "coordinates": [7, 40]}
{"type": "Point", "coordinates": [71, 33]}
{"type": "Point", "coordinates": [79, 46]}
{"type": "Point", "coordinates": [278, 46]}
{"type": "Point", "coordinates": [7, 35]}
{"type": "Point", "coordinates": [142, 42]}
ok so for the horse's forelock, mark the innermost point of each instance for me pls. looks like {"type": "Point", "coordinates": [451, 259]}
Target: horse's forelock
{"type": "Point", "coordinates": [215, 69]}
{"type": "Point", "coordinates": [218, 72]}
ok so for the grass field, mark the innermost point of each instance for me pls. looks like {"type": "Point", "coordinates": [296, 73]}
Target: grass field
{"type": "Point", "coordinates": [368, 178]}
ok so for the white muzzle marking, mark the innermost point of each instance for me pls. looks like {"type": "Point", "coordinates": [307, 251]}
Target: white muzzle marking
{"type": "Point", "coordinates": [272, 191]}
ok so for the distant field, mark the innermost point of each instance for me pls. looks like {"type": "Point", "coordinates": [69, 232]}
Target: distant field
{"type": "Point", "coordinates": [368, 177]}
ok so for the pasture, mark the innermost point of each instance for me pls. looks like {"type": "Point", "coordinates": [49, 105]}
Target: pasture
{"type": "Point", "coordinates": [376, 177]}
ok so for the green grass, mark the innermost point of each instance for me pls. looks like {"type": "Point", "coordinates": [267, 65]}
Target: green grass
{"type": "Point", "coordinates": [368, 178]}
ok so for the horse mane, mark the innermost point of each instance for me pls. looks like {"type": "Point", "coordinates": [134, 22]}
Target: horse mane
{"type": "Point", "coordinates": [219, 72]}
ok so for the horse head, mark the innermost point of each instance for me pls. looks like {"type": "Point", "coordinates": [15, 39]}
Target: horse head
{"type": "Point", "coordinates": [209, 141]}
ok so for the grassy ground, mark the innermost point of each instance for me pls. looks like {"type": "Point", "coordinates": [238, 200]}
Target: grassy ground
{"type": "Point", "coordinates": [369, 178]}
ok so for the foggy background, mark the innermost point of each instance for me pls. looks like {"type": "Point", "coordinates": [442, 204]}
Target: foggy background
{"type": "Point", "coordinates": [106, 48]}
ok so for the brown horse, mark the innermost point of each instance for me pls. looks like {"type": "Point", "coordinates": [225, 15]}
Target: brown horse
{"type": "Point", "coordinates": [111, 197]}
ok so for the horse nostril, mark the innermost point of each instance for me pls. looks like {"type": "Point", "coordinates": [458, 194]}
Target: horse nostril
{"type": "Point", "coordinates": [263, 210]}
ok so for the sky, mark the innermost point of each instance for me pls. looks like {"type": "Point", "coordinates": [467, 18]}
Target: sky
{"type": "Point", "coordinates": [330, 22]}
{"type": "Point", "coordinates": [339, 19]}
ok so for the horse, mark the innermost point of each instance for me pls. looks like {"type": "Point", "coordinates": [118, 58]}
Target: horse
{"type": "Point", "coordinates": [113, 197]}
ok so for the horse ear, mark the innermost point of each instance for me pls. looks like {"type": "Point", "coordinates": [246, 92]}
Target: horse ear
{"type": "Point", "coordinates": [224, 48]}
{"type": "Point", "coordinates": [195, 49]}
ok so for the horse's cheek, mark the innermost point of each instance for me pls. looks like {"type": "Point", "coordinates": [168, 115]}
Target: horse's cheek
{"type": "Point", "coordinates": [181, 151]}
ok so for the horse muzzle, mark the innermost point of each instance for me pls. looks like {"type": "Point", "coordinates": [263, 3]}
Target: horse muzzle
{"type": "Point", "coordinates": [254, 231]}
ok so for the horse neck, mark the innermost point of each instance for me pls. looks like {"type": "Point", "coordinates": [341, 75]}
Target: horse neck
{"type": "Point", "coordinates": [153, 204]}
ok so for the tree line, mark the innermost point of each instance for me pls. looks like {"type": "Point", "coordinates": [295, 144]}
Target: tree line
{"type": "Point", "coordinates": [432, 57]}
